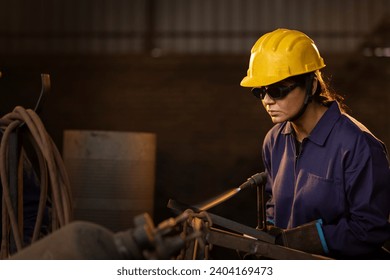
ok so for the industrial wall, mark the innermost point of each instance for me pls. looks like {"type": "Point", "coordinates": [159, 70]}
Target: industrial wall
{"type": "Point", "coordinates": [161, 27]}
{"type": "Point", "coordinates": [114, 68]}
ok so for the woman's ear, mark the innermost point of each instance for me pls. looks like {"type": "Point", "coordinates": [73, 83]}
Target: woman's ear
{"type": "Point", "coordinates": [314, 87]}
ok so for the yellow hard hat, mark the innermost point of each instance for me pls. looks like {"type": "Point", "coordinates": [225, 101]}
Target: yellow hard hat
{"type": "Point", "coordinates": [281, 54]}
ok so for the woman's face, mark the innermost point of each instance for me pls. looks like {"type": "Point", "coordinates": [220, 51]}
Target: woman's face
{"type": "Point", "coordinates": [281, 110]}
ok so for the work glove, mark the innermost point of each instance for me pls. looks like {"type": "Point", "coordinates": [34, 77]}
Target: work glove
{"type": "Point", "coordinates": [308, 238]}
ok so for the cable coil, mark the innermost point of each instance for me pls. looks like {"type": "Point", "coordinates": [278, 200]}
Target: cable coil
{"type": "Point", "coordinates": [54, 181]}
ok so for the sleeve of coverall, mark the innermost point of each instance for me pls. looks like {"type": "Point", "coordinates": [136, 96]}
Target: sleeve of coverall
{"type": "Point", "coordinates": [367, 190]}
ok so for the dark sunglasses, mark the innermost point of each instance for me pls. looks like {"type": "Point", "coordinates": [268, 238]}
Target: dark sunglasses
{"type": "Point", "coordinates": [275, 92]}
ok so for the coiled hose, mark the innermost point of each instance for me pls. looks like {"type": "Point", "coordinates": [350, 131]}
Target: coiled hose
{"type": "Point", "coordinates": [54, 181]}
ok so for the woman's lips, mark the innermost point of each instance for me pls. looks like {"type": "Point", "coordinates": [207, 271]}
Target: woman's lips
{"type": "Point", "coordinates": [273, 113]}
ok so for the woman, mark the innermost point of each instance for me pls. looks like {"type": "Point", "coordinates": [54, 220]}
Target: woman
{"type": "Point", "coordinates": [328, 175]}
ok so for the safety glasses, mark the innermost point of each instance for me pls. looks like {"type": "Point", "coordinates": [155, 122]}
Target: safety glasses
{"type": "Point", "coordinates": [274, 91]}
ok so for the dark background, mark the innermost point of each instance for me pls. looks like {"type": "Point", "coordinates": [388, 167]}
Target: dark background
{"type": "Point", "coordinates": [173, 68]}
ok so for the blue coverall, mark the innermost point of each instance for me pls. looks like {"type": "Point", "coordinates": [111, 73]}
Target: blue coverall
{"type": "Point", "coordinates": [340, 175]}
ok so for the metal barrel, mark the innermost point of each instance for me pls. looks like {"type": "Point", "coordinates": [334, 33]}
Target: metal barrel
{"type": "Point", "coordinates": [112, 175]}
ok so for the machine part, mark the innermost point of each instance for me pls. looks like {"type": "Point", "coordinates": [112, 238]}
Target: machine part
{"type": "Point", "coordinates": [16, 158]}
{"type": "Point", "coordinates": [261, 210]}
{"type": "Point", "coordinates": [220, 231]}
{"type": "Point", "coordinates": [77, 241]}
{"type": "Point", "coordinates": [82, 240]}
{"type": "Point", "coordinates": [226, 223]}
{"type": "Point", "coordinates": [55, 186]}
{"type": "Point", "coordinates": [256, 247]}
{"type": "Point", "coordinates": [45, 90]}
{"type": "Point", "coordinates": [254, 181]}
{"type": "Point", "coordinates": [190, 235]}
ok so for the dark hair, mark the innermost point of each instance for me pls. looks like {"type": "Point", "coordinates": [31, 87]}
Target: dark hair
{"type": "Point", "coordinates": [323, 94]}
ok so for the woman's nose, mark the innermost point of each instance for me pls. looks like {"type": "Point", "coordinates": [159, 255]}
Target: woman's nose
{"type": "Point", "coordinates": [268, 100]}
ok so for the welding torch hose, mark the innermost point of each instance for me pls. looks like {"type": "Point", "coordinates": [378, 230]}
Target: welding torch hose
{"type": "Point", "coordinates": [52, 173]}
